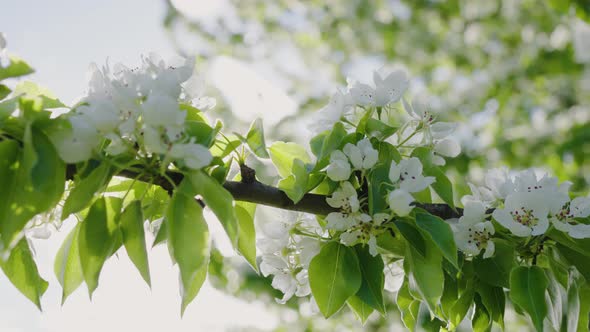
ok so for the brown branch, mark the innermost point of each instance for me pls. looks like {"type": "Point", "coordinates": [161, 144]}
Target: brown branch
{"type": "Point", "coordinates": [256, 192]}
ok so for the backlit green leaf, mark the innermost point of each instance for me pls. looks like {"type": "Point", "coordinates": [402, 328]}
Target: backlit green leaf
{"type": "Point", "coordinates": [334, 276]}
{"type": "Point", "coordinates": [527, 290]}
{"type": "Point", "coordinates": [131, 224]}
{"type": "Point", "coordinates": [67, 267]}
{"type": "Point", "coordinates": [20, 268]}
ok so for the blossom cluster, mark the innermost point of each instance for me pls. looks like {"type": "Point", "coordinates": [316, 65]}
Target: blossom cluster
{"type": "Point", "coordinates": [351, 223]}
{"type": "Point", "coordinates": [523, 203]}
{"type": "Point", "coordinates": [287, 247]}
{"type": "Point", "coordinates": [136, 110]}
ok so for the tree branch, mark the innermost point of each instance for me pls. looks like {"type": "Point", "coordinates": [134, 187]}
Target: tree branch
{"type": "Point", "coordinates": [259, 193]}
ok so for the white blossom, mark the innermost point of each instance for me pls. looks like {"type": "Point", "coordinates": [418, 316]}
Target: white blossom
{"type": "Point", "coordinates": [447, 148]}
{"type": "Point", "coordinates": [394, 276]}
{"type": "Point", "coordinates": [365, 231]}
{"type": "Point", "coordinates": [473, 232]}
{"type": "Point", "coordinates": [195, 156]}
{"type": "Point", "coordinates": [362, 155]}
{"type": "Point", "coordinates": [408, 173]}
{"type": "Point", "coordinates": [399, 202]}
{"type": "Point", "coordinates": [564, 219]}
{"type": "Point", "coordinates": [339, 167]}
{"type": "Point", "coordinates": [340, 103]}
{"type": "Point", "coordinates": [524, 213]}
{"type": "Point", "coordinates": [388, 88]}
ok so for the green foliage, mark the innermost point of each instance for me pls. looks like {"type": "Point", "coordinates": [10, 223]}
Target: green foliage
{"type": "Point", "coordinates": [255, 139]}
{"type": "Point", "coordinates": [527, 290]}
{"type": "Point", "coordinates": [440, 233]}
{"type": "Point", "coordinates": [84, 189]}
{"type": "Point", "coordinates": [21, 270]}
{"type": "Point", "coordinates": [371, 290]}
{"type": "Point", "coordinates": [283, 156]}
{"type": "Point", "coordinates": [296, 185]}
{"type": "Point", "coordinates": [245, 213]}
{"type": "Point", "coordinates": [97, 238]}
{"type": "Point", "coordinates": [16, 68]}
{"type": "Point", "coordinates": [131, 224]}
{"type": "Point", "coordinates": [334, 276]}
{"type": "Point", "coordinates": [188, 242]}
{"type": "Point", "coordinates": [67, 265]}
{"type": "Point", "coordinates": [425, 274]}
{"type": "Point", "coordinates": [219, 200]}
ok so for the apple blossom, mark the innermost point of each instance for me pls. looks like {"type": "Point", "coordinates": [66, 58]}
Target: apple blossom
{"type": "Point", "coordinates": [408, 174]}
{"type": "Point", "coordinates": [524, 213]}
{"type": "Point", "coordinates": [388, 88]}
{"type": "Point", "coordinates": [339, 167]}
{"type": "Point", "coordinates": [362, 155]}
{"type": "Point", "coordinates": [564, 219]}
{"type": "Point", "coordinates": [473, 231]}
{"type": "Point", "coordinates": [399, 201]}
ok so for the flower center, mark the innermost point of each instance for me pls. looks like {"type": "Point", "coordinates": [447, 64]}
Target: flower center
{"type": "Point", "coordinates": [565, 215]}
{"type": "Point", "coordinates": [479, 238]}
{"type": "Point", "coordinates": [524, 217]}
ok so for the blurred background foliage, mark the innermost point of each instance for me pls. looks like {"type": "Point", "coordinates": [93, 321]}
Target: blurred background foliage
{"type": "Point", "coordinates": [514, 73]}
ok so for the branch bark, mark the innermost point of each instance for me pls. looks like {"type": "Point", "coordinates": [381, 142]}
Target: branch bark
{"type": "Point", "coordinates": [259, 193]}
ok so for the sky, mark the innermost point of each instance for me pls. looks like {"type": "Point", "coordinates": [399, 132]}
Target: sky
{"type": "Point", "coordinates": [60, 38]}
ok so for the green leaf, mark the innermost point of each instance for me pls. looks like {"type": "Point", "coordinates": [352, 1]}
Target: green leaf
{"type": "Point", "coordinates": [412, 235]}
{"type": "Point", "coordinates": [373, 279]}
{"type": "Point", "coordinates": [442, 186]}
{"type": "Point", "coordinates": [32, 185]}
{"type": "Point", "coordinates": [201, 132]}
{"type": "Point", "coordinates": [4, 92]}
{"type": "Point", "coordinates": [575, 258]}
{"type": "Point", "coordinates": [441, 234]}
{"type": "Point", "coordinates": [494, 299]}
{"type": "Point", "coordinates": [388, 152]}
{"type": "Point", "coordinates": [162, 233]}
{"type": "Point", "coordinates": [131, 224]}
{"type": "Point", "coordinates": [583, 322]}
{"type": "Point", "coordinates": [449, 296]}
{"type": "Point", "coordinates": [496, 269]}
{"type": "Point", "coordinates": [295, 185]}
{"type": "Point", "coordinates": [283, 155]}
{"type": "Point", "coordinates": [48, 171]}
{"type": "Point", "coordinates": [379, 129]}
{"type": "Point", "coordinates": [378, 180]}
{"type": "Point", "coordinates": [481, 320]}
{"type": "Point", "coordinates": [408, 306]}
{"type": "Point", "coordinates": [9, 156]}
{"type": "Point", "coordinates": [85, 189]}
{"type": "Point", "coordinates": [32, 90]}
{"type": "Point", "coordinates": [360, 308]}
{"type": "Point", "coordinates": [247, 237]}
{"type": "Point", "coordinates": [20, 268]}
{"type": "Point", "coordinates": [573, 305]}
{"type": "Point", "coordinates": [7, 107]}
{"type": "Point", "coordinates": [425, 274]}
{"type": "Point", "coordinates": [16, 68]}
{"type": "Point", "coordinates": [188, 295]}
{"type": "Point", "coordinates": [188, 237]}
{"type": "Point", "coordinates": [255, 139]}
{"type": "Point", "coordinates": [97, 238]}
{"type": "Point", "coordinates": [527, 290]}
{"type": "Point", "coordinates": [330, 142]}
{"type": "Point", "coordinates": [334, 276]}
{"type": "Point", "coordinates": [460, 308]}
{"type": "Point", "coordinates": [67, 267]}
{"type": "Point", "coordinates": [219, 200]}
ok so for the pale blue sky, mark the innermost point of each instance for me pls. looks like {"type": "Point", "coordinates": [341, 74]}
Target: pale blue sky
{"type": "Point", "coordinates": [60, 38]}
